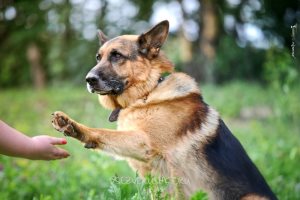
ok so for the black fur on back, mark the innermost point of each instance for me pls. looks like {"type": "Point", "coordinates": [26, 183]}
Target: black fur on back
{"type": "Point", "coordinates": [238, 175]}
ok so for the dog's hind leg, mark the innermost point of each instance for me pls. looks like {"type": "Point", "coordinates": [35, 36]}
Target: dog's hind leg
{"type": "Point", "coordinates": [133, 144]}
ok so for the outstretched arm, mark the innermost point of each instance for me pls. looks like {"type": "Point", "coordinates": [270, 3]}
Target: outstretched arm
{"type": "Point", "coordinates": [14, 143]}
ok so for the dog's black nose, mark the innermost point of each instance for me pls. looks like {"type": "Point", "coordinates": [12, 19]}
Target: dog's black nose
{"type": "Point", "coordinates": [91, 79]}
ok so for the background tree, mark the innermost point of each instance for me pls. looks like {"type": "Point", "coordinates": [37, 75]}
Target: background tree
{"type": "Point", "coordinates": [215, 41]}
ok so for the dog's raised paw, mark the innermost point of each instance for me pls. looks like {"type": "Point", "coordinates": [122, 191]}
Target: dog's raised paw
{"type": "Point", "coordinates": [61, 123]}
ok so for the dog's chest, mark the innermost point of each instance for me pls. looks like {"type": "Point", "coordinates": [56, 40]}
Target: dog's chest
{"type": "Point", "coordinates": [127, 120]}
{"type": "Point", "coordinates": [157, 167]}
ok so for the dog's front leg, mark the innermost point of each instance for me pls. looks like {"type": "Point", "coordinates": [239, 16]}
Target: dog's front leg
{"type": "Point", "coordinates": [133, 144]}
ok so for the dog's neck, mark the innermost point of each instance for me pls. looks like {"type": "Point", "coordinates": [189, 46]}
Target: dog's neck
{"type": "Point", "coordinates": [140, 89]}
{"type": "Point", "coordinates": [115, 113]}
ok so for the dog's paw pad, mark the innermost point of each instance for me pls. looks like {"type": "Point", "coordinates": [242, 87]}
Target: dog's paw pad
{"type": "Point", "coordinates": [62, 123]}
{"type": "Point", "coordinates": [90, 145]}
{"type": "Point", "coordinates": [69, 131]}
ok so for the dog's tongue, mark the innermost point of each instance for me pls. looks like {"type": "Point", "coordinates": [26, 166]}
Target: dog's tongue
{"type": "Point", "coordinates": [114, 115]}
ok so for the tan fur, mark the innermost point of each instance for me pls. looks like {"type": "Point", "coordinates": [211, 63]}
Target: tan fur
{"type": "Point", "coordinates": [141, 74]}
{"type": "Point", "coordinates": [162, 127]}
{"type": "Point", "coordinates": [155, 146]}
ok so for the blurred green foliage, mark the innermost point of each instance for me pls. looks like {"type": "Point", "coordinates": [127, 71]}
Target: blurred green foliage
{"type": "Point", "coordinates": [233, 63]}
{"type": "Point", "coordinates": [280, 69]}
{"type": "Point", "coordinates": [64, 31]}
{"type": "Point", "coordinates": [273, 142]}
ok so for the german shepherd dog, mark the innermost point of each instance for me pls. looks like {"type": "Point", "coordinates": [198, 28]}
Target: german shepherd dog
{"type": "Point", "coordinates": [164, 127]}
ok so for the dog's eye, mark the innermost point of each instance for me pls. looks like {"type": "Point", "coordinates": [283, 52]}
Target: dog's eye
{"type": "Point", "coordinates": [98, 57]}
{"type": "Point", "coordinates": [115, 56]}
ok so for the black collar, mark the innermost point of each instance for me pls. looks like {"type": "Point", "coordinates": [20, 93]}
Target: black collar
{"type": "Point", "coordinates": [114, 115]}
{"type": "Point", "coordinates": [163, 77]}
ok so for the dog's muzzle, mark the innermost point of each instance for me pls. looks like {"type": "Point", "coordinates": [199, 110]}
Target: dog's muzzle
{"type": "Point", "coordinates": [99, 85]}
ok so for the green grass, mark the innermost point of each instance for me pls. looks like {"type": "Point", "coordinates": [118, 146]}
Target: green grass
{"type": "Point", "coordinates": [272, 142]}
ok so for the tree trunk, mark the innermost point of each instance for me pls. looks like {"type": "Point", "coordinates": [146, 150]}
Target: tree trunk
{"type": "Point", "coordinates": [37, 70]}
{"type": "Point", "coordinates": [208, 36]}
{"type": "Point", "coordinates": [186, 52]}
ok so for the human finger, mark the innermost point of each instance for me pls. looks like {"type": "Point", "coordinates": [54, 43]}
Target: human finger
{"type": "Point", "coordinates": [58, 141]}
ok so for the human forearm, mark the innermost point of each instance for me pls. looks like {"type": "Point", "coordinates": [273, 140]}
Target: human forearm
{"type": "Point", "coordinates": [14, 143]}
{"type": "Point", "coordinates": [42, 147]}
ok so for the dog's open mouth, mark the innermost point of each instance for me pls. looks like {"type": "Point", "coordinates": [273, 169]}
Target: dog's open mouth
{"type": "Point", "coordinates": [107, 91]}
{"type": "Point", "coordinates": [97, 90]}
{"type": "Point", "coordinates": [103, 92]}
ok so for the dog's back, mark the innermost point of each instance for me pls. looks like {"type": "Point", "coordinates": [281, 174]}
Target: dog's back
{"type": "Point", "coordinates": [239, 177]}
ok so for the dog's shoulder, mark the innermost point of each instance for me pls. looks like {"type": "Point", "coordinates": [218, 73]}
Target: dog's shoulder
{"type": "Point", "coordinates": [176, 85]}
{"type": "Point", "coordinates": [177, 93]}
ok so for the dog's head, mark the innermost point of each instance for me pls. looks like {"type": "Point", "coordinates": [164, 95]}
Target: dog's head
{"type": "Point", "coordinates": [124, 61]}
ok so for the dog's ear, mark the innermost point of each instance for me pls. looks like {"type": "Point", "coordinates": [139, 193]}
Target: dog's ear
{"type": "Point", "coordinates": [151, 41]}
{"type": "Point", "coordinates": [102, 37]}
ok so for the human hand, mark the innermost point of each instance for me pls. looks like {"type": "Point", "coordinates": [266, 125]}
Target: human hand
{"type": "Point", "coordinates": [44, 148]}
